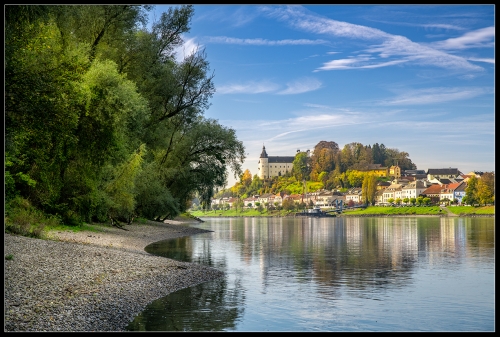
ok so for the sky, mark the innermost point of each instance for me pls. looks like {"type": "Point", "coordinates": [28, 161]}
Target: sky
{"type": "Point", "coordinates": [416, 78]}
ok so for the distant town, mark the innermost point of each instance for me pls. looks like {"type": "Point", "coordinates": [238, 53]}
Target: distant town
{"type": "Point", "coordinates": [445, 186]}
{"type": "Point", "coordinates": [329, 176]}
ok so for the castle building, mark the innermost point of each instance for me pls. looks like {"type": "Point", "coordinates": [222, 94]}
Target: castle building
{"type": "Point", "coordinates": [274, 166]}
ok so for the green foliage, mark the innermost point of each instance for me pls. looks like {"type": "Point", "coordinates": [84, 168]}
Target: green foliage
{"type": "Point", "coordinates": [197, 159]}
{"type": "Point", "coordinates": [24, 219]}
{"type": "Point", "coordinates": [255, 186]}
{"type": "Point", "coordinates": [301, 166]}
{"type": "Point", "coordinates": [260, 208]}
{"type": "Point", "coordinates": [85, 87]}
{"type": "Point", "coordinates": [288, 204]}
{"type": "Point", "coordinates": [153, 200]}
{"type": "Point", "coordinates": [121, 188]}
{"type": "Point", "coordinates": [369, 188]}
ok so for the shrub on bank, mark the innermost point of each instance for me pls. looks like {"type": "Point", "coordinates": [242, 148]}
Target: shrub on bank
{"type": "Point", "coordinates": [24, 219]}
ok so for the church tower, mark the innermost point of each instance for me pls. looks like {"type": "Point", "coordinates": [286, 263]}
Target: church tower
{"type": "Point", "coordinates": [263, 164]}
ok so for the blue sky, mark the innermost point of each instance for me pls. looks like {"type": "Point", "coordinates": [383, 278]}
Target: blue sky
{"type": "Point", "coordinates": [417, 78]}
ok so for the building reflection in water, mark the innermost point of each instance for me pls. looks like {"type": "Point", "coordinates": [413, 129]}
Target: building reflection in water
{"type": "Point", "coordinates": [357, 252]}
{"type": "Point", "coordinates": [326, 258]}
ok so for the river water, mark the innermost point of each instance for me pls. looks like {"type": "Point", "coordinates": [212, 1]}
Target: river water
{"type": "Point", "coordinates": [333, 274]}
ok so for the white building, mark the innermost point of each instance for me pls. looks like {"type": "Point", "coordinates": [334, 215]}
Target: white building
{"type": "Point", "coordinates": [354, 194]}
{"type": "Point", "coordinates": [276, 166]}
{"type": "Point", "coordinates": [413, 189]}
{"type": "Point", "coordinates": [394, 191]}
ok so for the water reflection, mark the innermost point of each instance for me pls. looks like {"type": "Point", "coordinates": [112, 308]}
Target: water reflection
{"type": "Point", "coordinates": [314, 274]}
{"type": "Point", "coordinates": [210, 307]}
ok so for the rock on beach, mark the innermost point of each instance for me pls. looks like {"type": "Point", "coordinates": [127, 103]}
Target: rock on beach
{"type": "Point", "coordinates": [92, 281]}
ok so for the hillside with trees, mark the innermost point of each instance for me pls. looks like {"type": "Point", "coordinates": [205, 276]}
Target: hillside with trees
{"type": "Point", "coordinates": [102, 123]}
{"type": "Point", "coordinates": [328, 167]}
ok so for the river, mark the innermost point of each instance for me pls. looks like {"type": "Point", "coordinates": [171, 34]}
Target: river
{"type": "Point", "coordinates": [390, 274]}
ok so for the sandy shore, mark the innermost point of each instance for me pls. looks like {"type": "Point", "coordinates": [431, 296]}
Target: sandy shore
{"type": "Point", "coordinates": [92, 280]}
{"type": "Point", "coordinates": [134, 238]}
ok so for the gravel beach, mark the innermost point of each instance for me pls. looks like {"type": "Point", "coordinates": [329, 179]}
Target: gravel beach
{"type": "Point", "coordinates": [92, 281]}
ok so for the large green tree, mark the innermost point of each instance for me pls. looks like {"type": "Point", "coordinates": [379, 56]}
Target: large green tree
{"type": "Point", "coordinates": [102, 121]}
{"type": "Point", "coordinates": [301, 166]}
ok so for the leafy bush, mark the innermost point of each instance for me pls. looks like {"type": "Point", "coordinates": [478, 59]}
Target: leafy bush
{"type": "Point", "coordinates": [24, 219]}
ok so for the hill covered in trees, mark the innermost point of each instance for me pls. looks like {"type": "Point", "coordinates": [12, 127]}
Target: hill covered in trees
{"type": "Point", "coordinates": [101, 122]}
{"type": "Point", "coordinates": [328, 167]}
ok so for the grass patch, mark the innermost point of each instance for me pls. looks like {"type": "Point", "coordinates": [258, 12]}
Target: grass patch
{"type": "Point", "coordinates": [371, 210]}
{"type": "Point", "coordinates": [239, 213]}
{"type": "Point", "coordinates": [9, 257]}
{"type": "Point", "coordinates": [378, 210]}
{"type": "Point", "coordinates": [96, 227]}
{"type": "Point", "coordinates": [141, 220]}
{"type": "Point", "coordinates": [185, 217]}
{"type": "Point", "coordinates": [472, 209]}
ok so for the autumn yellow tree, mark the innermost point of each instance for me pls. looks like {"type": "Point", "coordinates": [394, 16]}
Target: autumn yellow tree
{"type": "Point", "coordinates": [246, 178]}
{"type": "Point", "coordinates": [485, 191]}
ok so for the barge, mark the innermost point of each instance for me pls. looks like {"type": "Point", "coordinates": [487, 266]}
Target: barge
{"type": "Point", "coordinates": [316, 212]}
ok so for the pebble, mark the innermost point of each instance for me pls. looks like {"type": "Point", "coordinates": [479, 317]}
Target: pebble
{"type": "Point", "coordinates": [91, 282]}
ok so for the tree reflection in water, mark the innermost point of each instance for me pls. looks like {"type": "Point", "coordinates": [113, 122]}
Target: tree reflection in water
{"type": "Point", "coordinates": [209, 306]}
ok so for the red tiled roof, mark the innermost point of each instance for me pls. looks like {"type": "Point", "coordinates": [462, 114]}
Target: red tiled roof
{"type": "Point", "coordinates": [433, 189]}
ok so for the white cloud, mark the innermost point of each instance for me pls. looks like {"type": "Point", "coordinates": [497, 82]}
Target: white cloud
{"type": "Point", "coordinates": [356, 63]}
{"type": "Point", "coordinates": [301, 86]}
{"type": "Point", "coordinates": [425, 25]}
{"type": "Point", "coordinates": [480, 38]}
{"type": "Point", "coordinates": [257, 87]}
{"type": "Point", "coordinates": [228, 16]}
{"type": "Point", "coordinates": [311, 105]}
{"type": "Point", "coordinates": [439, 26]}
{"type": "Point", "coordinates": [420, 54]}
{"type": "Point", "coordinates": [241, 17]}
{"type": "Point", "coordinates": [188, 47]}
{"type": "Point", "coordinates": [263, 42]}
{"type": "Point", "coordinates": [248, 88]}
{"type": "Point", "coordinates": [435, 95]}
{"type": "Point", "coordinates": [487, 60]}
{"type": "Point", "coordinates": [340, 64]}
{"type": "Point", "coordinates": [297, 17]}
{"type": "Point", "coordinates": [389, 45]}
